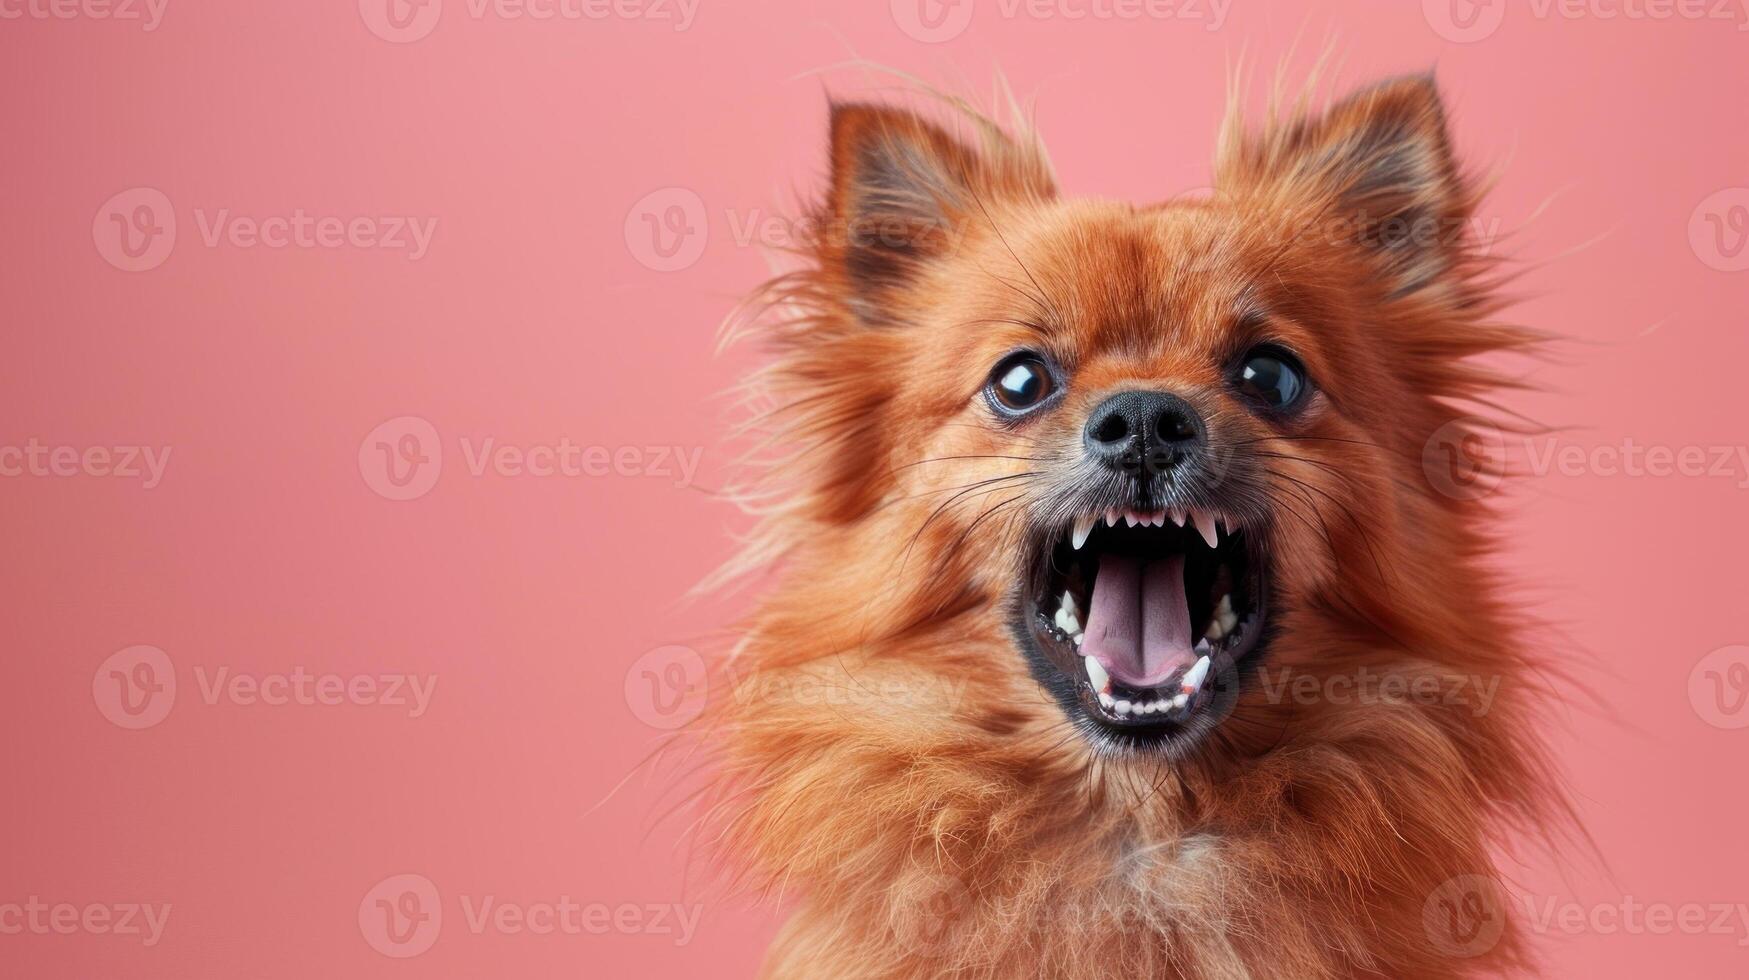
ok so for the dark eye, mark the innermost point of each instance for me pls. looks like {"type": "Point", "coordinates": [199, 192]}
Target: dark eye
{"type": "Point", "coordinates": [1020, 383]}
{"type": "Point", "coordinates": [1273, 378]}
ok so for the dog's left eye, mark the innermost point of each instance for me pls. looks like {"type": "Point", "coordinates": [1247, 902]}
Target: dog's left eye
{"type": "Point", "coordinates": [1273, 378]}
{"type": "Point", "coordinates": [1020, 383]}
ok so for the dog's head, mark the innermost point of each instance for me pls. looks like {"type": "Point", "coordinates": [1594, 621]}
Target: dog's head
{"type": "Point", "coordinates": [1161, 444]}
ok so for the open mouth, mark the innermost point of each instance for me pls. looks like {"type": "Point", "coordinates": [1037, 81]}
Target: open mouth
{"type": "Point", "coordinates": [1142, 612]}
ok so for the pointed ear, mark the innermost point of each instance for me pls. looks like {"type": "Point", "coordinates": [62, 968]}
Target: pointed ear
{"type": "Point", "coordinates": [902, 194]}
{"type": "Point", "coordinates": [1375, 172]}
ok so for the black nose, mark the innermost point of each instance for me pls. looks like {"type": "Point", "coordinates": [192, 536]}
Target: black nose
{"type": "Point", "coordinates": [1134, 429]}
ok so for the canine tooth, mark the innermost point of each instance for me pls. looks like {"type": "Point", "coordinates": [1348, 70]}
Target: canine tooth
{"type": "Point", "coordinates": [1083, 527]}
{"type": "Point", "coordinates": [1193, 678]}
{"type": "Point", "coordinates": [1205, 524]}
{"type": "Point", "coordinates": [1097, 675]}
{"type": "Point", "coordinates": [1123, 707]}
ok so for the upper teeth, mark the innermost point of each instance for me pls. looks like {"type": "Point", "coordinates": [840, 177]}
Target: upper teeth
{"type": "Point", "coordinates": [1083, 528]}
{"type": "Point", "coordinates": [1205, 522]}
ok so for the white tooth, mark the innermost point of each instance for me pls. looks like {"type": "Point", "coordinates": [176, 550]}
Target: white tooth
{"type": "Point", "coordinates": [1181, 700]}
{"type": "Point", "coordinates": [1202, 647]}
{"type": "Point", "coordinates": [1148, 709]}
{"type": "Point", "coordinates": [1097, 675]}
{"type": "Point", "coordinates": [1066, 622]}
{"type": "Point", "coordinates": [1110, 518]}
{"type": "Point", "coordinates": [1193, 678]}
{"type": "Point", "coordinates": [1123, 707]}
{"type": "Point", "coordinates": [1106, 700]}
{"type": "Point", "coordinates": [1129, 518]}
{"type": "Point", "coordinates": [1205, 523]}
{"type": "Point", "coordinates": [1071, 605]}
{"type": "Point", "coordinates": [1215, 631]}
{"type": "Point", "coordinates": [1225, 606]}
{"type": "Point", "coordinates": [1159, 519]}
{"type": "Point", "coordinates": [1078, 637]}
{"type": "Point", "coordinates": [1228, 621]}
{"type": "Point", "coordinates": [1083, 528]}
{"type": "Point", "coordinates": [1178, 517]}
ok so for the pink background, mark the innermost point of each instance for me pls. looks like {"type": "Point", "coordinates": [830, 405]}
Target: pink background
{"type": "Point", "coordinates": [541, 312]}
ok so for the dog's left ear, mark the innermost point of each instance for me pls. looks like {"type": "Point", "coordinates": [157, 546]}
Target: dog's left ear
{"type": "Point", "coordinates": [1375, 172]}
{"type": "Point", "coordinates": [903, 192]}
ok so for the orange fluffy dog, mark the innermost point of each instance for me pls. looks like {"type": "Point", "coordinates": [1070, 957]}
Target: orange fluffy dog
{"type": "Point", "coordinates": [1124, 627]}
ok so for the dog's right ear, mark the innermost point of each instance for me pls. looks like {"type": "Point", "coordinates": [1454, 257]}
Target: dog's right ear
{"type": "Point", "coordinates": [903, 194]}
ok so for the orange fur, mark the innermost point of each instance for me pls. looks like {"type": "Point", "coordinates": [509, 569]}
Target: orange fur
{"type": "Point", "coordinates": [889, 764]}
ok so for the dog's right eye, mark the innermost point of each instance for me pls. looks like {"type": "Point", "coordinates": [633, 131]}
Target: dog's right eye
{"type": "Point", "coordinates": [1020, 383]}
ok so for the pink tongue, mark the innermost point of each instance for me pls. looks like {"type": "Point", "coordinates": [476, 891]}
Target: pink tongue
{"type": "Point", "coordinates": [1139, 625]}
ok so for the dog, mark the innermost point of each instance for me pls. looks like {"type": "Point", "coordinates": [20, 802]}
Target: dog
{"type": "Point", "coordinates": [1131, 608]}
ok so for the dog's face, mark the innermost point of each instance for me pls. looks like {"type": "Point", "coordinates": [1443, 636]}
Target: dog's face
{"type": "Point", "coordinates": [1161, 443]}
{"type": "Point", "coordinates": [1073, 496]}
